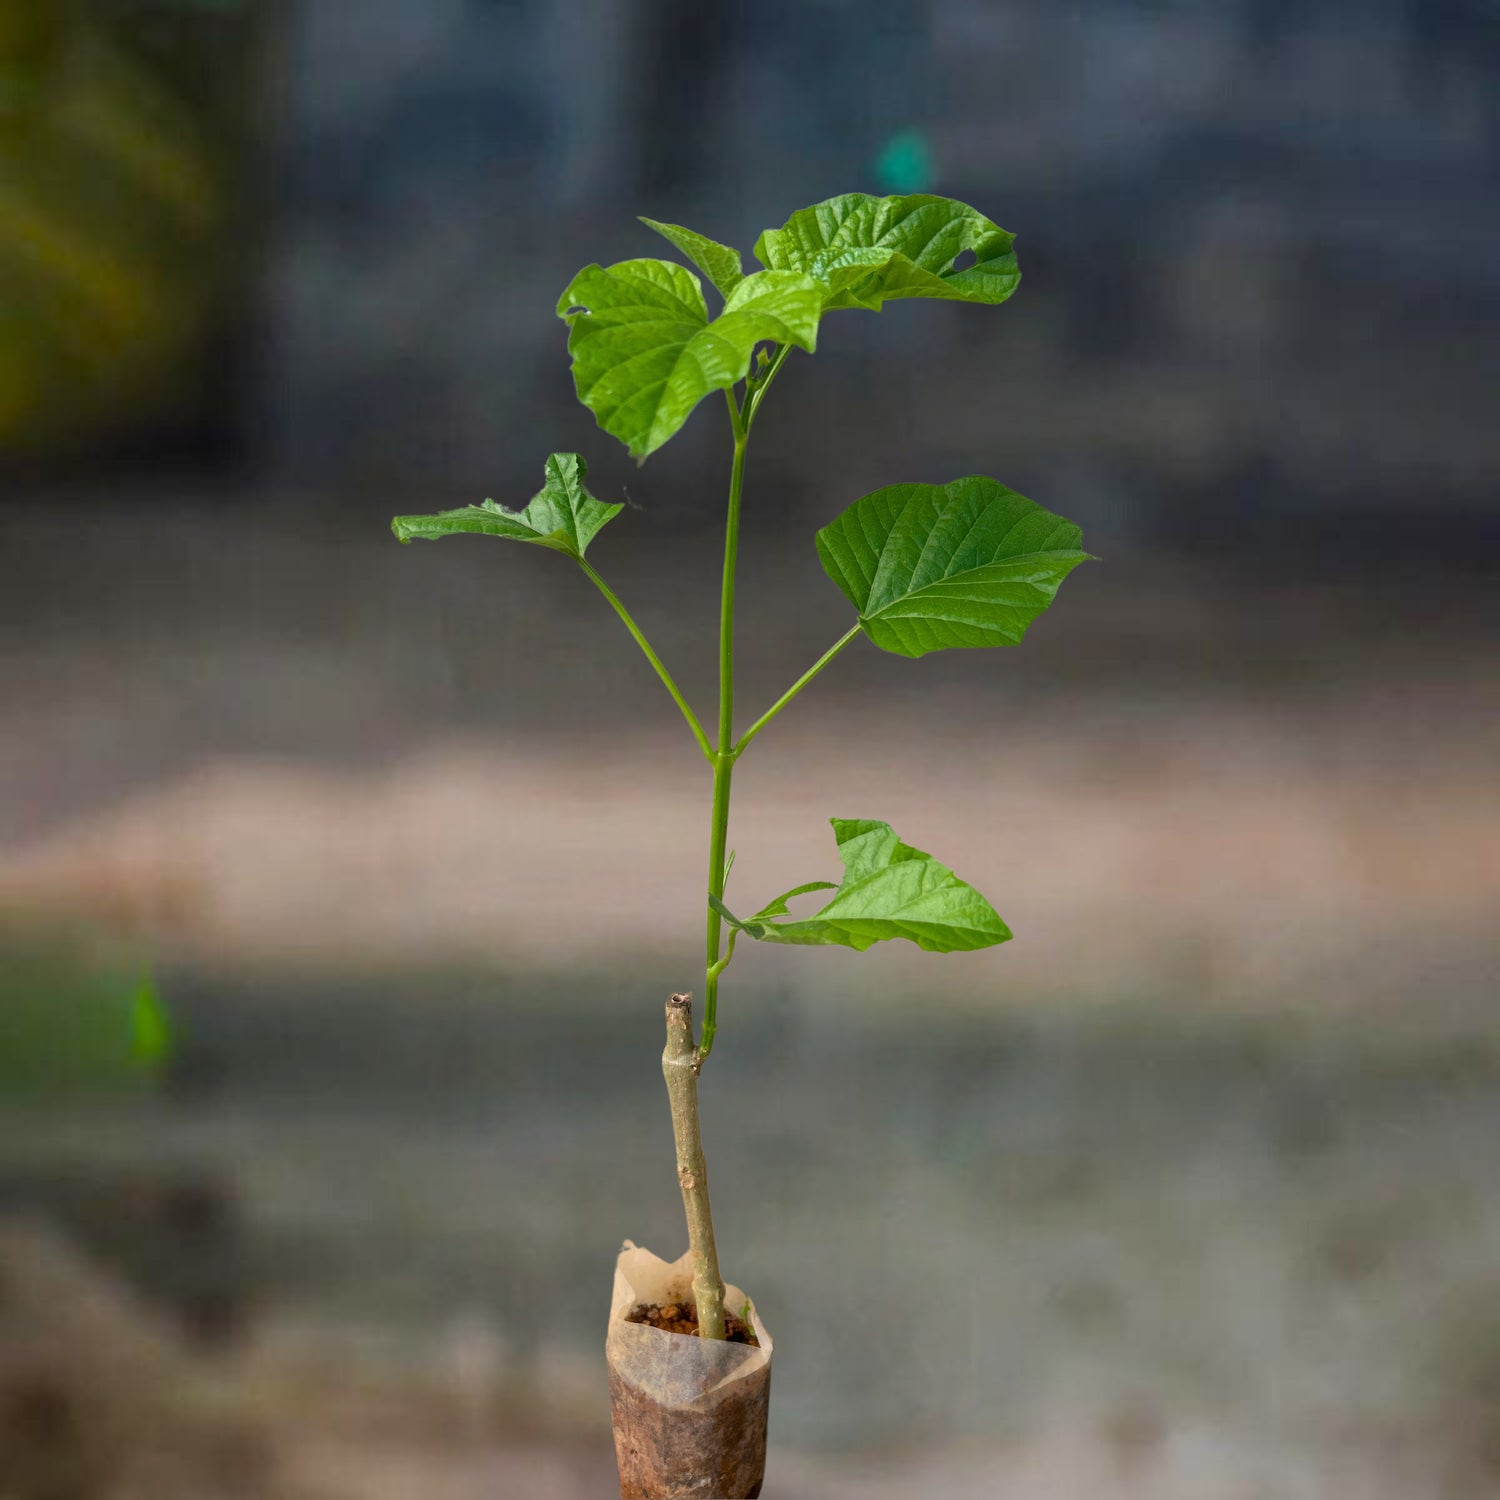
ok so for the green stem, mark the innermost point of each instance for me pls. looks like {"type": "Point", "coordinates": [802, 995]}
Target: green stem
{"type": "Point", "coordinates": [723, 770]}
{"type": "Point", "coordinates": [723, 758]}
{"type": "Point", "coordinates": [726, 595]}
{"type": "Point", "coordinates": [795, 688]}
{"type": "Point", "coordinates": [759, 394]}
{"type": "Point", "coordinates": [723, 963]}
{"type": "Point", "coordinates": [654, 659]}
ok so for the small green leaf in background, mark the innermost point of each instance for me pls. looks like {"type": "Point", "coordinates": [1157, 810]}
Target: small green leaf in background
{"type": "Point", "coordinates": [930, 566]}
{"type": "Point", "coordinates": [720, 263]}
{"type": "Point", "coordinates": [865, 251]}
{"type": "Point", "coordinates": [151, 1026]}
{"type": "Point", "coordinates": [644, 351]}
{"type": "Point", "coordinates": [889, 890]}
{"type": "Point", "coordinates": [77, 1017]}
{"type": "Point", "coordinates": [562, 515]}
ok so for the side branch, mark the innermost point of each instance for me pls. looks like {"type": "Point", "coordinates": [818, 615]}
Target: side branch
{"type": "Point", "coordinates": [679, 1065]}
{"type": "Point", "coordinates": [653, 658]}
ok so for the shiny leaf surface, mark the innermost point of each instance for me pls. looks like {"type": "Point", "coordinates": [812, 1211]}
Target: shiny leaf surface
{"type": "Point", "coordinates": [562, 515]}
{"type": "Point", "coordinates": [645, 353]}
{"type": "Point", "coordinates": [865, 251]}
{"type": "Point", "coordinates": [889, 890]}
{"type": "Point", "coordinates": [930, 567]}
{"type": "Point", "coordinates": [720, 263]}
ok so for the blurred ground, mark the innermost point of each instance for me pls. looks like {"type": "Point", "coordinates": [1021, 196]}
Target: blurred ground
{"type": "Point", "coordinates": [108, 1405]}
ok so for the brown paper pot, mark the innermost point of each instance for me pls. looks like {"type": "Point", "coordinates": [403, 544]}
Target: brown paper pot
{"type": "Point", "coordinates": [690, 1413]}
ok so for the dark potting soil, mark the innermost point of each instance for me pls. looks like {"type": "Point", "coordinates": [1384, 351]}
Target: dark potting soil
{"type": "Point", "coordinates": [682, 1317]}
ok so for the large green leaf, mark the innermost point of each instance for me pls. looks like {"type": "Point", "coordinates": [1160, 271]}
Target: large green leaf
{"type": "Point", "coordinates": [720, 263]}
{"type": "Point", "coordinates": [931, 566]}
{"type": "Point", "coordinates": [644, 351]}
{"type": "Point", "coordinates": [865, 251]}
{"type": "Point", "coordinates": [562, 515]}
{"type": "Point", "coordinates": [889, 890]}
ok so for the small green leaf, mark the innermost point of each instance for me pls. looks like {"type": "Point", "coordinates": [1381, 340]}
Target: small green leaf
{"type": "Point", "coordinates": [889, 890]}
{"type": "Point", "coordinates": [930, 566]}
{"type": "Point", "coordinates": [77, 1015]}
{"type": "Point", "coordinates": [645, 354]}
{"type": "Point", "coordinates": [562, 515]}
{"type": "Point", "coordinates": [720, 263]}
{"type": "Point", "coordinates": [779, 907]}
{"type": "Point", "coordinates": [865, 251]}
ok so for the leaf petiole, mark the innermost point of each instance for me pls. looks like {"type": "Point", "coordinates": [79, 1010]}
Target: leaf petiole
{"type": "Point", "coordinates": [718, 968]}
{"type": "Point", "coordinates": [754, 397]}
{"type": "Point", "coordinates": [737, 421]}
{"type": "Point", "coordinates": [653, 658]}
{"type": "Point", "coordinates": [795, 688]}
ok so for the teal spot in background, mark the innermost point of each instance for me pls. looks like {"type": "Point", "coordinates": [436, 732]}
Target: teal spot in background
{"type": "Point", "coordinates": [905, 163]}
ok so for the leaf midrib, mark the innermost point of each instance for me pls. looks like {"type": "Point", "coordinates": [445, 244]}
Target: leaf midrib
{"type": "Point", "coordinates": [907, 929]}
{"type": "Point", "coordinates": [946, 588]}
{"type": "Point", "coordinates": [948, 581]}
{"type": "Point", "coordinates": [882, 242]}
{"type": "Point", "coordinates": [863, 884]}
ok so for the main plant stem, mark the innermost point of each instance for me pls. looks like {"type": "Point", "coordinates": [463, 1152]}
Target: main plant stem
{"type": "Point", "coordinates": [681, 1061]}
{"type": "Point", "coordinates": [724, 755]}
{"type": "Point", "coordinates": [679, 1065]}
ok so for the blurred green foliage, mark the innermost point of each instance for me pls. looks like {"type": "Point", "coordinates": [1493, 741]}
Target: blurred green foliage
{"type": "Point", "coordinates": [120, 126]}
{"type": "Point", "coordinates": [74, 1018]}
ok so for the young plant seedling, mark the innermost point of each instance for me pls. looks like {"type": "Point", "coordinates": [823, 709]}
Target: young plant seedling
{"type": "Point", "coordinates": [926, 567]}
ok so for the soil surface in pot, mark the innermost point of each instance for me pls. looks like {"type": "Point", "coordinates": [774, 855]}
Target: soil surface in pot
{"type": "Point", "coordinates": [682, 1317]}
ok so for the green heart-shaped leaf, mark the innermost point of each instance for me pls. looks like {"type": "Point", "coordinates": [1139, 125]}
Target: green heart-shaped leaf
{"type": "Point", "coordinates": [889, 890]}
{"type": "Point", "coordinates": [934, 566]}
{"type": "Point", "coordinates": [562, 515]}
{"type": "Point", "coordinates": [865, 251]}
{"type": "Point", "coordinates": [720, 263]}
{"type": "Point", "coordinates": [644, 351]}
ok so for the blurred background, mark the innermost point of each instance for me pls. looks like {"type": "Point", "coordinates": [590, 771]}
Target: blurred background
{"type": "Point", "coordinates": [341, 884]}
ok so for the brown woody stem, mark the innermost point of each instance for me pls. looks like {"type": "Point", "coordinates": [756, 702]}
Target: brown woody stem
{"type": "Point", "coordinates": [679, 1065]}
